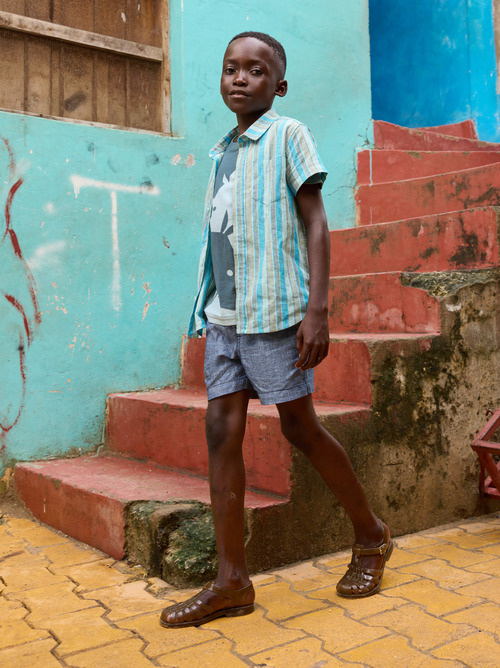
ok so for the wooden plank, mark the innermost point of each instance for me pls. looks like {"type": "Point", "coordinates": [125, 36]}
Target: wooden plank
{"type": "Point", "coordinates": [144, 21]}
{"type": "Point", "coordinates": [12, 71]}
{"type": "Point", "coordinates": [110, 18]}
{"type": "Point", "coordinates": [38, 75]}
{"type": "Point", "coordinates": [111, 90]}
{"type": "Point", "coordinates": [78, 14]}
{"type": "Point", "coordinates": [56, 101]}
{"type": "Point", "coordinates": [36, 9]}
{"type": "Point", "coordinates": [14, 6]}
{"type": "Point", "coordinates": [144, 98]}
{"type": "Point", "coordinates": [78, 74]}
{"type": "Point", "coordinates": [81, 37]}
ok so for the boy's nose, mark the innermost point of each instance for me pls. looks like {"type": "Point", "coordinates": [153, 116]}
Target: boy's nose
{"type": "Point", "coordinates": [239, 79]}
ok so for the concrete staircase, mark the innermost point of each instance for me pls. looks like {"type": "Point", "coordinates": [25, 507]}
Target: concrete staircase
{"type": "Point", "coordinates": [413, 320]}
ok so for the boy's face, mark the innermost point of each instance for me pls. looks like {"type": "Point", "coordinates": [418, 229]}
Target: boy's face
{"type": "Point", "coordinates": [251, 78]}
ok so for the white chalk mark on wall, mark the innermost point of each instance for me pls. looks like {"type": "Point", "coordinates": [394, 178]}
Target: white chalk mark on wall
{"type": "Point", "coordinates": [116, 292]}
{"type": "Point", "coordinates": [80, 182]}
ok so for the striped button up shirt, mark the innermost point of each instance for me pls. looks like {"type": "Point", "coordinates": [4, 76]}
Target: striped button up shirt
{"type": "Point", "coordinates": [276, 156]}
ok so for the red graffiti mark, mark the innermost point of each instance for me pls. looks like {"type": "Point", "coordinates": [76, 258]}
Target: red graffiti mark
{"type": "Point", "coordinates": [22, 367]}
{"type": "Point", "coordinates": [12, 163]}
{"type": "Point", "coordinates": [21, 310]}
{"type": "Point", "coordinates": [26, 334]}
{"type": "Point", "coordinates": [8, 206]}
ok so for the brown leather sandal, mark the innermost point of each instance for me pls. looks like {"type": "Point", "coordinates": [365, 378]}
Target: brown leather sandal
{"type": "Point", "coordinates": [195, 612]}
{"type": "Point", "coordinates": [359, 582]}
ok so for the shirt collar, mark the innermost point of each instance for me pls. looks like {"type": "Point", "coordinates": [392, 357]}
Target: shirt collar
{"type": "Point", "coordinates": [254, 132]}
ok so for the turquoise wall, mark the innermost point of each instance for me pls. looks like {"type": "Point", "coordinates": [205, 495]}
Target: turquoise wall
{"type": "Point", "coordinates": [433, 62]}
{"type": "Point", "coordinates": [98, 260]}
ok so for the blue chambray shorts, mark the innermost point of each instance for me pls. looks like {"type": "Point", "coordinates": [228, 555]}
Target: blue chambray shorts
{"type": "Point", "coordinates": [261, 363]}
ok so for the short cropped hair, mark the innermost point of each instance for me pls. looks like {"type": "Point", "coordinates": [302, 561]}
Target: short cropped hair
{"type": "Point", "coordinates": [276, 46]}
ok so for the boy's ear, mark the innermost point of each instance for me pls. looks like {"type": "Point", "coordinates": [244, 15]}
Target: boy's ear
{"type": "Point", "coordinates": [281, 88]}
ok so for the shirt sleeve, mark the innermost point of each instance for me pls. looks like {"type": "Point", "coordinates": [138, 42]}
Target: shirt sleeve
{"type": "Point", "coordinates": [303, 159]}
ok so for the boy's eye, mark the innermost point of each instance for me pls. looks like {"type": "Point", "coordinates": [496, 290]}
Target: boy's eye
{"type": "Point", "coordinates": [256, 71]}
{"type": "Point", "coordinates": [229, 70]}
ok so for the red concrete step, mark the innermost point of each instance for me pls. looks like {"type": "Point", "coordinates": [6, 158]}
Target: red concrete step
{"type": "Point", "coordinates": [387, 202]}
{"type": "Point", "coordinates": [168, 428]}
{"type": "Point", "coordinates": [378, 303]}
{"type": "Point", "coordinates": [86, 497]}
{"type": "Point", "coordinates": [381, 165]}
{"type": "Point", "coordinates": [344, 377]}
{"type": "Point", "coordinates": [390, 136]}
{"type": "Point", "coordinates": [462, 129]}
{"type": "Point", "coordinates": [459, 240]}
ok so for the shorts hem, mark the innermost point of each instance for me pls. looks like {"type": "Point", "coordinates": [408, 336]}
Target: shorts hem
{"type": "Point", "coordinates": [290, 394]}
{"type": "Point", "coordinates": [216, 391]}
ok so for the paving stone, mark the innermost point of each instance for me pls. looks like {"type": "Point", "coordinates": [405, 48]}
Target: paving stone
{"type": "Point", "coordinates": [466, 540]}
{"type": "Point", "coordinates": [424, 630]}
{"type": "Point", "coordinates": [84, 629]}
{"type": "Point", "coordinates": [123, 654]}
{"type": "Point", "coordinates": [280, 602]}
{"type": "Point", "coordinates": [488, 589]}
{"type": "Point", "coordinates": [306, 576]}
{"type": "Point", "coordinates": [215, 653]}
{"type": "Point", "coordinates": [334, 561]}
{"type": "Point", "coordinates": [70, 555]}
{"type": "Point", "coordinates": [127, 600]}
{"type": "Point", "coordinates": [336, 631]}
{"type": "Point", "coordinates": [20, 524]}
{"type": "Point", "coordinates": [453, 554]}
{"type": "Point", "coordinates": [394, 578]}
{"type": "Point", "coordinates": [158, 639]}
{"type": "Point", "coordinates": [492, 549]}
{"type": "Point", "coordinates": [393, 651]}
{"type": "Point", "coordinates": [358, 608]}
{"type": "Point", "coordinates": [263, 579]}
{"type": "Point", "coordinates": [491, 568]}
{"type": "Point", "coordinates": [414, 541]}
{"type": "Point", "coordinates": [447, 576]}
{"type": "Point", "coordinates": [437, 601]}
{"type": "Point", "coordinates": [31, 574]}
{"type": "Point", "coordinates": [306, 652]}
{"type": "Point", "coordinates": [11, 610]}
{"type": "Point", "coordinates": [52, 601]}
{"type": "Point", "coordinates": [38, 536]}
{"type": "Point", "coordinates": [480, 526]}
{"type": "Point", "coordinates": [33, 655]}
{"type": "Point", "coordinates": [479, 650]}
{"type": "Point", "coordinates": [253, 633]}
{"type": "Point", "coordinates": [401, 558]}
{"type": "Point", "coordinates": [95, 575]}
{"type": "Point", "coordinates": [485, 617]}
{"type": "Point", "coordinates": [18, 632]}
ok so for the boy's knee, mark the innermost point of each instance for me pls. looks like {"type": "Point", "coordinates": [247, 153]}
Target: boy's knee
{"type": "Point", "coordinates": [224, 424]}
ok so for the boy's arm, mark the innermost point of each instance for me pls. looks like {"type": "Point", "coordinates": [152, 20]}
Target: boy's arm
{"type": "Point", "coordinates": [313, 333]}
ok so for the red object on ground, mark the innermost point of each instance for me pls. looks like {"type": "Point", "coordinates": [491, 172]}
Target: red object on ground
{"type": "Point", "coordinates": [486, 450]}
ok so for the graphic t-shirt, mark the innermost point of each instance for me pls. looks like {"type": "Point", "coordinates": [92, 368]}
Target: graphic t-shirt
{"type": "Point", "coordinates": [221, 305]}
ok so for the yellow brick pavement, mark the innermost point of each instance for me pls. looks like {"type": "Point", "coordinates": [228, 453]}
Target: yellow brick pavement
{"type": "Point", "coordinates": [65, 604]}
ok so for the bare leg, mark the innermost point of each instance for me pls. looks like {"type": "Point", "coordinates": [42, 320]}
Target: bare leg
{"type": "Point", "coordinates": [302, 428]}
{"type": "Point", "coordinates": [225, 428]}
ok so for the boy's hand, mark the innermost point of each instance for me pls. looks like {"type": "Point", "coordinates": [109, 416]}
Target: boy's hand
{"type": "Point", "coordinates": [312, 341]}
{"type": "Point", "coordinates": [313, 335]}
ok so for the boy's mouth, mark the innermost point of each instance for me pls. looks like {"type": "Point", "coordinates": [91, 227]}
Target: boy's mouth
{"type": "Point", "coordinates": [238, 93]}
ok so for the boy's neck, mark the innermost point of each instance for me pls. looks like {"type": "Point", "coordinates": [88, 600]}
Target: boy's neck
{"type": "Point", "coordinates": [245, 121]}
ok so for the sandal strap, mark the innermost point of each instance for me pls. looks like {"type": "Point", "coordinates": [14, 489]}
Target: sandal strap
{"type": "Point", "coordinates": [232, 595]}
{"type": "Point", "coordinates": [362, 551]}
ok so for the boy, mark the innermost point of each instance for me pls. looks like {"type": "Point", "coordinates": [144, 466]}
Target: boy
{"type": "Point", "coordinates": [263, 288]}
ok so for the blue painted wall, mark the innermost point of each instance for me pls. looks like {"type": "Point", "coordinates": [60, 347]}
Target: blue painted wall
{"type": "Point", "coordinates": [433, 62]}
{"type": "Point", "coordinates": [105, 224]}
